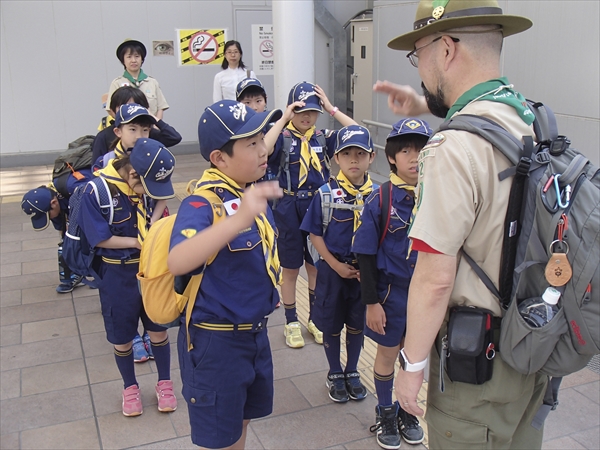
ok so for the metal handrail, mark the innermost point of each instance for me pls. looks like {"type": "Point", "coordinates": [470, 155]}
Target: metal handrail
{"type": "Point", "coordinates": [377, 124]}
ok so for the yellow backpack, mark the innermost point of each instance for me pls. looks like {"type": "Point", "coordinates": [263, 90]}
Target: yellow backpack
{"type": "Point", "coordinates": [162, 303]}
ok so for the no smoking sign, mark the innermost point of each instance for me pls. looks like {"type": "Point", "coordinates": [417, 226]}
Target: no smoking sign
{"type": "Point", "coordinates": [203, 47]}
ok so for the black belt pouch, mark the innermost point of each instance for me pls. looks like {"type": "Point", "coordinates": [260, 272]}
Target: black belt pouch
{"type": "Point", "coordinates": [470, 352]}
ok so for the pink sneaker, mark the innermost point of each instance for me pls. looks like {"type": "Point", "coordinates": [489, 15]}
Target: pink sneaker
{"type": "Point", "coordinates": [132, 401]}
{"type": "Point", "coordinates": [166, 399]}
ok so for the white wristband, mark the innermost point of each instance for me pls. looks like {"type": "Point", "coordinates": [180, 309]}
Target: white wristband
{"type": "Point", "coordinates": [408, 367]}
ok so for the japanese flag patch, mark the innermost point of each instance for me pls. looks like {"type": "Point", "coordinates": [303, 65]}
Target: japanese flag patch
{"type": "Point", "coordinates": [338, 193]}
{"type": "Point", "coordinates": [232, 206]}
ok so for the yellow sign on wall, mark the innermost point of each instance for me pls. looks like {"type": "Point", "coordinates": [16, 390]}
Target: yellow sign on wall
{"type": "Point", "coordinates": [200, 47]}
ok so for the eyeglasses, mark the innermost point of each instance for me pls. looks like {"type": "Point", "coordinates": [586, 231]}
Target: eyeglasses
{"type": "Point", "coordinates": [233, 53]}
{"type": "Point", "coordinates": [414, 58]}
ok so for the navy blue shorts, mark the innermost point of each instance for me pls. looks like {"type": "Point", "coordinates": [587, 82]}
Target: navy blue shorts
{"type": "Point", "coordinates": [394, 299]}
{"type": "Point", "coordinates": [291, 242]}
{"type": "Point", "coordinates": [227, 378]}
{"type": "Point", "coordinates": [121, 303]}
{"type": "Point", "coordinates": [337, 302]}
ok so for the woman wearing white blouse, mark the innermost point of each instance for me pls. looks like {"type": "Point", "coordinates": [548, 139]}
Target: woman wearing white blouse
{"type": "Point", "coordinates": [233, 72]}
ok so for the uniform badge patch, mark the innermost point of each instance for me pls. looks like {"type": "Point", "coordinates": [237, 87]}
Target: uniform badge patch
{"type": "Point", "coordinates": [413, 124]}
{"type": "Point", "coordinates": [436, 140]}
{"type": "Point", "coordinates": [189, 232]}
{"type": "Point", "coordinates": [198, 204]}
{"type": "Point", "coordinates": [318, 149]}
{"type": "Point", "coordinates": [338, 193]}
{"type": "Point", "coordinates": [232, 206]}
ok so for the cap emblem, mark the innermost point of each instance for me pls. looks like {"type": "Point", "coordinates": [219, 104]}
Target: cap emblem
{"type": "Point", "coordinates": [163, 173]}
{"type": "Point", "coordinates": [239, 111]}
{"type": "Point", "coordinates": [349, 133]}
{"type": "Point", "coordinates": [304, 95]}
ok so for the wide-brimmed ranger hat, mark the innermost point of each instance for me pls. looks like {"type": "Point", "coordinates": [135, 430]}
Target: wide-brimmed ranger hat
{"type": "Point", "coordinates": [36, 203]}
{"type": "Point", "coordinates": [227, 120]}
{"type": "Point", "coordinates": [133, 42]}
{"type": "Point", "coordinates": [305, 92]}
{"type": "Point", "coordinates": [410, 126]}
{"type": "Point", "coordinates": [353, 136]}
{"type": "Point", "coordinates": [154, 163]}
{"type": "Point", "coordinates": [245, 84]}
{"type": "Point", "coordinates": [440, 15]}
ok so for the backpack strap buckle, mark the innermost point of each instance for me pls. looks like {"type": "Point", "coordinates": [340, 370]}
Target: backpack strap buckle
{"type": "Point", "coordinates": [558, 146]}
{"type": "Point", "coordinates": [523, 166]}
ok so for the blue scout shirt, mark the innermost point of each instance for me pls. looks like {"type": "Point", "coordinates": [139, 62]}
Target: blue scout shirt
{"type": "Point", "coordinates": [96, 229]}
{"type": "Point", "coordinates": [72, 183]}
{"type": "Point", "coordinates": [338, 236]}
{"type": "Point", "coordinates": [314, 180]}
{"type": "Point", "coordinates": [236, 287]}
{"type": "Point", "coordinates": [391, 257]}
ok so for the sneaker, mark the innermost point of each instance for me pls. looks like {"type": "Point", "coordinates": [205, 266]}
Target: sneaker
{"type": "Point", "coordinates": [337, 388]}
{"type": "Point", "coordinates": [293, 335]}
{"type": "Point", "coordinates": [67, 286]}
{"type": "Point", "coordinates": [139, 350]}
{"type": "Point", "coordinates": [409, 427]}
{"type": "Point", "coordinates": [318, 334]}
{"type": "Point", "coordinates": [386, 426]}
{"type": "Point", "coordinates": [148, 345]}
{"type": "Point", "coordinates": [167, 401]}
{"type": "Point", "coordinates": [356, 390]}
{"type": "Point", "coordinates": [132, 401]}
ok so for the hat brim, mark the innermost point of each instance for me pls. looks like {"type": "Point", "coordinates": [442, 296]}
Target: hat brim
{"type": "Point", "coordinates": [129, 42]}
{"type": "Point", "coordinates": [125, 122]}
{"type": "Point", "coordinates": [158, 191]}
{"type": "Point", "coordinates": [353, 144]}
{"type": "Point", "coordinates": [420, 133]}
{"type": "Point", "coordinates": [40, 221]}
{"type": "Point", "coordinates": [257, 123]}
{"type": "Point", "coordinates": [309, 107]}
{"type": "Point", "coordinates": [510, 25]}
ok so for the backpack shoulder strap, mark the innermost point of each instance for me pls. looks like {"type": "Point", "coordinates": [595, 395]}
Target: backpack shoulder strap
{"type": "Point", "coordinates": [103, 196]}
{"type": "Point", "coordinates": [385, 204]}
{"type": "Point", "coordinates": [326, 209]}
{"type": "Point", "coordinates": [284, 163]}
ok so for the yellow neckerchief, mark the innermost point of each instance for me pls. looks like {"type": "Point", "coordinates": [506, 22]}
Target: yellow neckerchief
{"type": "Point", "coordinates": [360, 194]}
{"type": "Point", "coordinates": [110, 174]}
{"type": "Point", "coordinates": [399, 182]}
{"type": "Point", "coordinates": [213, 178]}
{"type": "Point", "coordinates": [119, 151]}
{"type": "Point", "coordinates": [308, 156]}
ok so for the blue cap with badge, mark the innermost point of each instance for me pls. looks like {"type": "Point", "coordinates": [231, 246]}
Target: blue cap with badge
{"type": "Point", "coordinates": [36, 203]}
{"type": "Point", "coordinates": [154, 163]}
{"type": "Point", "coordinates": [126, 113]}
{"type": "Point", "coordinates": [245, 84]}
{"type": "Point", "coordinates": [410, 126]}
{"type": "Point", "coordinates": [306, 93]}
{"type": "Point", "coordinates": [354, 136]}
{"type": "Point", "coordinates": [227, 120]}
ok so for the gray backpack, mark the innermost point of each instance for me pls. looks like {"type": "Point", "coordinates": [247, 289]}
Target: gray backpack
{"type": "Point", "coordinates": [554, 208]}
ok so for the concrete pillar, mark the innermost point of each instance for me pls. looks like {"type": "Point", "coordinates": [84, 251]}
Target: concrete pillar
{"type": "Point", "coordinates": [294, 35]}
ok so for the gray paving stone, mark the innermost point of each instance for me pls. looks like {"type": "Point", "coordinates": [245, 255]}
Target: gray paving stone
{"type": "Point", "coordinates": [95, 344]}
{"type": "Point", "coordinates": [30, 255]}
{"type": "Point", "coordinates": [584, 376]}
{"type": "Point", "coordinates": [10, 247]}
{"type": "Point", "coordinates": [49, 330]}
{"type": "Point", "coordinates": [183, 443]}
{"type": "Point", "coordinates": [10, 335]}
{"type": "Point", "coordinates": [10, 298]}
{"type": "Point", "coordinates": [288, 398]}
{"type": "Point", "coordinates": [181, 420]}
{"type": "Point", "coordinates": [42, 410]}
{"type": "Point", "coordinates": [562, 444]}
{"type": "Point", "coordinates": [574, 414]}
{"type": "Point", "coordinates": [590, 391]}
{"type": "Point", "coordinates": [91, 323]}
{"type": "Point", "coordinates": [80, 434]}
{"type": "Point", "coordinates": [9, 441]}
{"type": "Point", "coordinates": [10, 270]}
{"type": "Point", "coordinates": [28, 281]}
{"type": "Point", "coordinates": [118, 431]}
{"type": "Point", "coordinates": [86, 305]}
{"type": "Point", "coordinates": [53, 377]}
{"type": "Point", "coordinates": [289, 362]}
{"type": "Point", "coordinates": [39, 353]}
{"type": "Point", "coordinates": [43, 294]}
{"type": "Point", "coordinates": [10, 387]}
{"type": "Point", "coordinates": [104, 368]}
{"type": "Point", "coordinates": [36, 312]}
{"type": "Point", "coordinates": [36, 244]}
{"type": "Point", "coordinates": [40, 266]}
{"type": "Point", "coordinates": [588, 438]}
{"type": "Point", "coordinates": [312, 387]}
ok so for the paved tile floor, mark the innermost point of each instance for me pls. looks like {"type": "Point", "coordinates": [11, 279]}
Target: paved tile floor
{"type": "Point", "coordinates": [60, 387]}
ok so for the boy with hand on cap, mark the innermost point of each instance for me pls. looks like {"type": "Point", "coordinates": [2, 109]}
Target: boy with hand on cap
{"type": "Point", "coordinates": [45, 204]}
{"type": "Point", "coordinates": [302, 169]}
{"type": "Point", "coordinates": [337, 291]}
{"type": "Point", "coordinates": [146, 172]}
{"type": "Point", "coordinates": [387, 265]}
{"type": "Point", "coordinates": [131, 54]}
{"type": "Point", "coordinates": [226, 367]}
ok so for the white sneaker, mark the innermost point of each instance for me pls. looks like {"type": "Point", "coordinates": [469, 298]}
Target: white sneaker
{"type": "Point", "coordinates": [318, 334]}
{"type": "Point", "coordinates": [293, 335]}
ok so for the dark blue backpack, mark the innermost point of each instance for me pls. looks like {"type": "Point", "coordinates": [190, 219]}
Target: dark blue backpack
{"type": "Point", "coordinates": [78, 254]}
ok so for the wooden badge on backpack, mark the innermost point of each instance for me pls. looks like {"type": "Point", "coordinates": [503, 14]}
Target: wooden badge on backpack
{"type": "Point", "coordinates": [558, 270]}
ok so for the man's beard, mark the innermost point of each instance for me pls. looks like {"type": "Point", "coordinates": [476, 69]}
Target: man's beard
{"type": "Point", "coordinates": [435, 103]}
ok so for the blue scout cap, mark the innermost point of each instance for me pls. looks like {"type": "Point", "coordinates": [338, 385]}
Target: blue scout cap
{"type": "Point", "coordinates": [305, 92]}
{"type": "Point", "coordinates": [227, 120]}
{"type": "Point", "coordinates": [154, 163]}
{"type": "Point", "coordinates": [353, 136]}
{"type": "Point", "coordinates": [36, 203]}
{"type": "Point", "coordinates": [410, 126]}
{"type": "Point", "coordinates": [245, 84]}
{"type": "Point", "coordinates": [130, 111]}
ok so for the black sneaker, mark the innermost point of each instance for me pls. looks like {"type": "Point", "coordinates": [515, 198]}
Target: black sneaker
{"type": "Point", "coordinates": [68, 285]}
{"type": "Point", "coordinates": [409, 427]}
{"type": "Point", "coordinates": [356, 390]}
{"type": "Point", "coordinates": [336, 384]}
{"type": "Point", "coordinates": [386, 426]}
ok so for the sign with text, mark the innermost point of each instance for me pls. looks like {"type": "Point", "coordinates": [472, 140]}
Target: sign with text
{"type": "Point", "coordinates": [262, 50]}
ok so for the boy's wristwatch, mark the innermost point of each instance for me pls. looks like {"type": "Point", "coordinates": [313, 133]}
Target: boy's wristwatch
{"type": "Point", "coordinates": [408, 367]}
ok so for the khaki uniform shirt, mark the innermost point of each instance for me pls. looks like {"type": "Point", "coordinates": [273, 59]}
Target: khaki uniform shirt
{"type": "Point", "coordinates": [150, 88]}
{"type": "Point", "coordinates": [461, 202]}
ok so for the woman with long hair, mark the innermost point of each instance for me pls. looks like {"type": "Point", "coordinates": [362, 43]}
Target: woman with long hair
{"type": "Point", "coordinates": [234, 71]}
